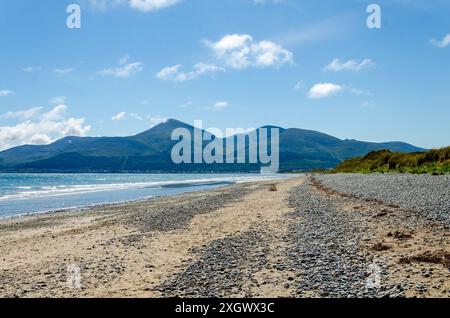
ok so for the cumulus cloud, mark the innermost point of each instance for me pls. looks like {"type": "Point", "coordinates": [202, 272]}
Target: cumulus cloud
{"type": "Point", "coordinates": [237, 51]}
{"type": "Point", "coordinates": [323, 90]}
{"type": "Point", "coordinates": [124, 69]}
{"type": "Point", "coordinates": [175, 73]}
{"type": "Point", "coordinates": [40, 127]}
{"type": "Point", "coordinates": [57, 113]}
{"type": "Point", "coordinates": [351, 65]}
{"type": "Point", "coordinates": [240, 51]}
{"type": "Point", "coordinates": [444, 42]}
{"type": "Point", "coordinates": [6, 92]}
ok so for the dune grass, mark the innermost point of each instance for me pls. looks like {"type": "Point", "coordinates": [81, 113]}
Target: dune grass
{"type": "Point", "coordinates": [435, 162]}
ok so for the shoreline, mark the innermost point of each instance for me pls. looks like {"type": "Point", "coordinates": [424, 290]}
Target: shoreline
{"type": "Point", "coordinates": [298, 238]}
{"type": "Point", "coordinates": [74, 197]}
{"type": "Point", "coordinates": [102, 205]}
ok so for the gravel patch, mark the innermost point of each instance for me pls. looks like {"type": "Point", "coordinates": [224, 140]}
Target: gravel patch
{"type": "Point", "coordinates": [221, 269]}
{"type": "Point", "coordinates": [427, 194]}
{"type": "Point", "coordinates": [325, 249]}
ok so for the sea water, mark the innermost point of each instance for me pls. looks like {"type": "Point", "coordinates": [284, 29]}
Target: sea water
{"type": "Point", "coordinates": [26, 193]}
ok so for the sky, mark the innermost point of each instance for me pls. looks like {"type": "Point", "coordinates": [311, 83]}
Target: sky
{"type": "Point", "coordinates": [230, 63]}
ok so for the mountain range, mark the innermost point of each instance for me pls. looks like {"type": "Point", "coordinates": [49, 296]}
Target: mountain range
{"type": "Point", "coordinates": [150, 151]}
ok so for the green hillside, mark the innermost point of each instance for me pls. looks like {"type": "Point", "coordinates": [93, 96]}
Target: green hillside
{"type": "Point", "coordinates": [433, 161]}
{"type": "Point", "coordinates": [149, 151]}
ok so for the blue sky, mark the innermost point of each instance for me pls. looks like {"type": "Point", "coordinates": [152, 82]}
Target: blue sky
{"type": "Point", "coordinates": [231, 63]}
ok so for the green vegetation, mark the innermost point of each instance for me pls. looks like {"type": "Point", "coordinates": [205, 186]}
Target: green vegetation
{"type": "Point", "coordinates": [434, 161]}
{"type": "Point", "coordinates": [150, 151]}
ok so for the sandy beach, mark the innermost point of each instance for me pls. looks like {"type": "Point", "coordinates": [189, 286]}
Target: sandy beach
{"type": "Point", "coordinates": [299, 237]}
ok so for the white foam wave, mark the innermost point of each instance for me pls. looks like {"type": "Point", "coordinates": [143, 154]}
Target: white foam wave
{"type": "Point", "coordinates": [61, 190]}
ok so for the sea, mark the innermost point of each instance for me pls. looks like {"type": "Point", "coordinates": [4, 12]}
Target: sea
{"type": "Point", "coordinates": [27, 193]}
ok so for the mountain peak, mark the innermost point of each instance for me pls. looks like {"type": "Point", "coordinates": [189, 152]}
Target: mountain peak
{"type": "Point", "coordinates": [171, 124]}
{"type": "Point", "coordinates": [172, 121]}
{"type": "Point", "coordinates": [164, 128]}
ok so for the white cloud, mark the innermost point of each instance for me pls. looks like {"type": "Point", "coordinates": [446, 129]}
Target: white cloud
{"type": "Point", "coordinates": [123, 115]}
{"type": "Point", "coordinates": [119, 116]}
{"type": "Point", "coordinates": [170, 72]}
{"type": "Point", "coordinates": [441, 43]}
{"type": "Point", "coordinates": [63, 71]}
{"type": "Point", "coordinates": [351, 65]}
{"type": "Point", "coordinates": [323, 90]}
{"type": "Point", "coordinates": [202, 68]}
{"type": "Point", "coordinates": [6, 92]}
{"type": "Point", "coordinates": [40, 139]}
{"type": "Point", "coordinates": [31, 69]}
{"type": "Point", "coordinates": [57, 113]}
{"type": "Point", "coordinates": [240, 51]}
{"type": "Point", "coordinates": [41, 128]}
{"type": "Point", "coordinates": [140, 5]}
{"type": "Point", "coordinates": [175, 74]}
{"type": "Point", "coordinates": [237, 51]}
{"type": "Point", "coordinates": [152, 5]}
{"type": "Point", "coordinates": [124, 69]}
{"type": "Point", "coordinates": [22, 114]}
{"type": "Point", "coordinates": [220, 105]}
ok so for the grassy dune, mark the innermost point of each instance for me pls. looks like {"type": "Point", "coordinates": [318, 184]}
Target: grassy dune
{"type": "Point", "coordinates": [434, 161]}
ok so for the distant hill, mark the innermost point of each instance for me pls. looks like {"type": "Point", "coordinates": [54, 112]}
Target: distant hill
{"type": "Point", "coordinates": [433, 161]}
{"type": "Point", "coordinates": [150, 151]}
